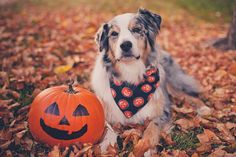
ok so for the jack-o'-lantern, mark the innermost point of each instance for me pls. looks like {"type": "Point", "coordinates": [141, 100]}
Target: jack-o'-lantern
{"type": "Point", "coordinates": [62, 116]}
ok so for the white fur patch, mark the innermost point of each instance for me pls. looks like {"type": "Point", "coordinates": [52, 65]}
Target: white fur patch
{"type": "Point", "coordinates": [123, 21]}
{"type": "Point", "coordinates": [132, 72]}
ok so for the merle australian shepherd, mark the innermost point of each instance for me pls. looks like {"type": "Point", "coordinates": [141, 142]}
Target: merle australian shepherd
{"type": "Point", "coordinates": [132, 76]}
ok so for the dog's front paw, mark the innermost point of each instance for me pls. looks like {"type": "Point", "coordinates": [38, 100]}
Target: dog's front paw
{"type": "Point", "coordinates": [109, 139]}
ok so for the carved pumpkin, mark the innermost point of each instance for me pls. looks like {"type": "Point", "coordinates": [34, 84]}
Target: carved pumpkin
{"type": "Point", "coordinates": [61, 116]}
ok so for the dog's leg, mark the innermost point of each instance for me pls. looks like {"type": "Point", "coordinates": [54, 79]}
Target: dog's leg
{"type": "Point", "coordinates": [110, 138]}
{"type": "Point", "coordinates": [149, 140]}
{"type": "Point", "coordinates": [151, 135]}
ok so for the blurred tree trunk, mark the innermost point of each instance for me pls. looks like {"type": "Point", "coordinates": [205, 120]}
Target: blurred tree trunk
{"type": "Point", "coordinates": [232, 33]}
{"type": "Point", "coordinates": [229, 42]}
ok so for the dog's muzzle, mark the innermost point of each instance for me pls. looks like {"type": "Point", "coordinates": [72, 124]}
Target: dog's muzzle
{"type": "Point", "coordinates": [128, 57]}
{"type": "Point", "coordinates": [126, 53]}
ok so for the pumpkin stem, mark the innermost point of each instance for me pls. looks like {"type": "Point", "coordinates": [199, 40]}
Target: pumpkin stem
{"type": "Point", "coordinates": [70, 87]}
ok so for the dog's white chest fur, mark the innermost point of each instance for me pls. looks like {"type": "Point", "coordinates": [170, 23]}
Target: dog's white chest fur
{"type": "Point", "coordinates": [100, 83]}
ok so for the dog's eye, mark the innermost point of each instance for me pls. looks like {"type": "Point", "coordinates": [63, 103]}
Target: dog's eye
{"type": "Point", "coordinates": [114, 34]}
{"type": "Point", "coordinates": [136, 30]}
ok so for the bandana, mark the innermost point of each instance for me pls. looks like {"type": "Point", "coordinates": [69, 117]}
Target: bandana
{"type": "Point", "coordinates": [130, 98]}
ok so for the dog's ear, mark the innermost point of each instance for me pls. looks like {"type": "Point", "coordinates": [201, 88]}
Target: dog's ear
{"type": "Point", "coordinates": [151, 20]}
{"type": "Point", "coordinates": [101, 37]}
{"type": "Point", "coordinates": [151, 23]}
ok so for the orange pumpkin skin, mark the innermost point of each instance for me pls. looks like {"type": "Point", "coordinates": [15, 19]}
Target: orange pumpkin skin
{"type": "Point", "coordinates": [60, 118]}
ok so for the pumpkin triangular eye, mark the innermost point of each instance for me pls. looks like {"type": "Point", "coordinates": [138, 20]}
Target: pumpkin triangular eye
{"type": "Point", "coordinates": [64, 121]}
{"type": "Point", "coordinates": [53, 109]}
{"type": "Point", "coordinates": [80, 111]}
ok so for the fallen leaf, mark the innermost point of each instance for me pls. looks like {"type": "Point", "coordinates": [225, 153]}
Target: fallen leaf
{"type": "Point", "coordinates": [219, 92]}
{"type": "Point", "coordinates": [219, 74]}
{"type": "Point", "coordinates": [204, 111]}
{"type": "Point", "coordinates": [183, 110]}
{"type": "Point", "coordinates": [232, 69]}
{"type": "Point", "coordinates": [230, 125]}
{"type": "Point", "coordinates": [204, 148]}
{"type": "Point", "coordinates": [225, 133]}
{"type": "Point", "coordinates": [62, 69]}
{"type": "Point", "coordinates": [167, 138]}
{"type": "Point", "coordinates": [111, 151]}
{"type": "Point", "coordinates": [207, 136]}
{"type": "Point", "coordinates": [218, 153]}
{"type": "Point", "coordinates": [185, 123]}
{"type": "Point", "coordinates": [55, 152]}
{"type": "Point", "coordinates": [194, 155]}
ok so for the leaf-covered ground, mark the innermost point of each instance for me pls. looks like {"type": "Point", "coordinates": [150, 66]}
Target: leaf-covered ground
{"type": "Point", "coordinates": [40, 48]}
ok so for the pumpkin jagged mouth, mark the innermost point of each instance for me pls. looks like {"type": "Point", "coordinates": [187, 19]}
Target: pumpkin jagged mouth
{"type": "Point", "coordinates": [62, 134]}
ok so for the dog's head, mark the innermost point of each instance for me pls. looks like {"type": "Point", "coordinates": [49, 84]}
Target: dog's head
{"type": "Point", "coordinates": [129, 37]}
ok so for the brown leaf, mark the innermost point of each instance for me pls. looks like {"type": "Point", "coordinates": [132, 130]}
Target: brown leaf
{"type": "Point", "coordinates": [36, 92]}
{"type": "Point", "coordinates": [230, 125]}
{"type": "Point", "coordinates": [219, 74]}
{"type": "Point", "coordinates": [111, 151]}
{"type": "Point", "coordinates": [21, 134]}
{"type": "Point", "coordinates": [97, 150]}
{"type": "Point", "coordinates": [9, 153]}
{"type": "Point", "coordinates": [15, 94]}
{"type": "Point", "coordinates": [133, 135]}
{"type": "Point", "coordinates": [207, 136]}
{"type": "Point", "coordinates": [65, 152]}
{"type": "Point", "coordinates": [83, 150]}
{"type": "Point", "coordinates": [225, 133]}
{"type": "Point", "coordinates": [220, 92]}
{"type": "Point", "coordinates": [12, 106]}
{"type": "Point", "coordinates": [185, 123]}
{"type": "Point", "coordinates": [55, 152]}
{"type": "Point", "coordinates": [232, 69]}
{"type": "Point", "coordinates": [183, 110]}
{"type": "Point", "coordinates": [218, 153]}
{"type": "Point", "coordinates": [204, 111]}
{"type": "Point", "coordinates": [5, 144]}
{"type": "Point", "coordinates": [194, 155]}
{"type": "Point", "coordinates": [204, 148]}
{"type": "Point", "coordinates": [167, 138]}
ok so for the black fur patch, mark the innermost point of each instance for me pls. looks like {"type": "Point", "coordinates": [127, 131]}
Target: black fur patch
{"type": "Point", "coordinates": [102, 38]}
{"type": "Point", "coordinates": [151, 23]}
{"type": "Point", "coordinates": [168, 61]}
{"type": "Point", "coordinates": [191, 93]}
{"type": "Point", "coordinates": [108, 64]}
{"type": "Point", "coordinates": [106, 59]}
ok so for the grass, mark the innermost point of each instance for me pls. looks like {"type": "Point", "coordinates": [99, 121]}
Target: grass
{"type": "Point", "coordinates": [184, 141]}
{"type": "Point", "coordinates": [25, 96]}
{"type": "Point", "coordinates": [209, 10]}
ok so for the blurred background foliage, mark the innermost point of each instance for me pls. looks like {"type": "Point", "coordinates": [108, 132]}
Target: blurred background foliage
{"type": "Point", "coordinates": [208, 10]}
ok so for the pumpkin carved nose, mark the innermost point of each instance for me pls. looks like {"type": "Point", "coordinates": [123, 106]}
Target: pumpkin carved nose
{"type": "Point", "coordinates": [64, 121]}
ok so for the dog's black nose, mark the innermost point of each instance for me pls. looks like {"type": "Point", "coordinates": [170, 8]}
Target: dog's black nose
{"type": "Point", "coordinates": [126, 46]}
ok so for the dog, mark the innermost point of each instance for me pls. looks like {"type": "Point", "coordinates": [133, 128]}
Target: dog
{"type": "Point", "coordinates": [133, 77]}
